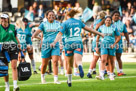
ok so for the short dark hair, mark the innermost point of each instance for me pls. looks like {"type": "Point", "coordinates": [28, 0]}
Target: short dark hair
{"type": "Point", "coordinates": [47, 12]}
{"type": "Point", "coordinates": [25, 20]}
{"type": "Point", "coordinates": [116, 11]}
{"type": "Point", "coordinates": [108, 17]}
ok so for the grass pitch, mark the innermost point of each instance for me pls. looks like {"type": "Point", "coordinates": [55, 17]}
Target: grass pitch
{"type": "Point", "coordinates": [122, 83]}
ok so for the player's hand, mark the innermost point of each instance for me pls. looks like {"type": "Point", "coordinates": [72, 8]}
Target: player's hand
{"type": "Point", "coordinates": [117, 47]}
{"type": "Point", "coordinates": [32, 37]}
{"type": "Point", "coordinates": [31, 25]}
{"type": "Point", "coordinates": [112, 46]}
{"type": "Point", "coordinates": [97, 50]}
{"type": "Point", "coordinates": [52, 45]}
{"type": "Point", "coordinates": [102, 35]}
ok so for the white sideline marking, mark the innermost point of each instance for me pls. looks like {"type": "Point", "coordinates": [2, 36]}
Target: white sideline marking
{"type": "Point", "coordinates": [78, 80]}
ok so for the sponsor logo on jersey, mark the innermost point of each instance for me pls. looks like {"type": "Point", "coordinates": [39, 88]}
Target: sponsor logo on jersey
{"type": "Point", "coordinates": [51, 30]}
{"type": "Point", "coordinates": [10, 31]}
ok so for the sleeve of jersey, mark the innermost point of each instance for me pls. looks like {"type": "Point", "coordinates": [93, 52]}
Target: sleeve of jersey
{"type": "Point", "coordinates": [117, 33]}
{"type": "Point", "coordinates": [83, 25]}
{"type": "Point", "coordinates": [63, 28]}
{"type": "Point", "coordinates": [99, 30]}
{"type": "Point", "coordinates": [124, 29]}
{"type": "Point", "coordinates": [41, 27]}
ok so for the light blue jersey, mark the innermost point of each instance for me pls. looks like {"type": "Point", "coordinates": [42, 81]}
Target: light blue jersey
{"type": "Point", "coordinates": [50, 31]}
{"type": "Point", "coordinates": [109, 39]}
{"type": "Point", "coordinates": [21, 35]}
{"type": "Point", "coordinates": [72, 29]}
{"type": "Point", "coordinates": [121, 27]}
{"type": "Point", "coordinates": [28, 34]}
{"type": "Point", "coordinates": [73, 41]}
{"type": "Point", "coordinates": [109, 33]}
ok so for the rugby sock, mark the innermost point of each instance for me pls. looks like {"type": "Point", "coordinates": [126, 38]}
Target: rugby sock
{"type": "Point", "coordinates": [69, 78]}
{"type": "Point", "coordinates": [65, 72]}
{"type": "Point", "coordinates": [117, 66]}
{"type": "Point", "coordinates": [99, 66]}
{"type": "Point", "coordinates": [33, 65]}
{"type": "Point", "coordinates": [120, 70]}
{"type": "Point", "coordinates": [102, 73]}
{"type": "Point", "coordinates": [108, 73]}
{"type": "Point", "coordinates": [90, 71]}
{"type": "Point", "coordinates": [15, 83]}
{"type": "Point", "coordinates": [94, 69]}
{"type": "Point", "coordinates": [55, 78]}
{"type": "Point", "coordinates": [7, 84]}
{"type": "Point", "coordinates": [61, 69]}
{"type": "Point", "coordinates": [75, 70]}
{"type": "Point", "coordinates": [42, 77]}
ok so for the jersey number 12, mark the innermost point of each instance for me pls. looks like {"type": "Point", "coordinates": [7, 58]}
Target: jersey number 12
{"type": "Point", "coordinates": [77, 29]}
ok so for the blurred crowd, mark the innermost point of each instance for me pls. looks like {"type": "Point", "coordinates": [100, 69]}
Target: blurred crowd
{"type": "Point", "coordinates": [128, 10]}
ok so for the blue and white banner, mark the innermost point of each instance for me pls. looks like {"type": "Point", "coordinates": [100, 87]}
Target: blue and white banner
{"type": "Point", "coordinates": [120, 10]}
{"type": "Point", "coordinates": [87, 14]}
{"type": "Point", "coordinates": [134, 17]}
{"type": "Point", "coordinates": [29, 15]}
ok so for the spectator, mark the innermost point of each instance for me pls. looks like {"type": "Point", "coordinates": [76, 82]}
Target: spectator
{"type": "Point", "coordinates": [103, 5]}
{"type": "Point", "coordinates": [134, 4]}
{"type": "Point", "coordinates": [56, 10]}
{"type": "Point", "coordinates": [115, 4]}
{"type": "Point", "coordinates": [40, 11]}
{"type": "Point", "coordinates": [96, 8]}
{"type": "Point", "coordinates": [69, 7]}
{"type": "Point", "coordinates": [6, 6]}
{"type": "Point", "coordinates": [129, 27]}
{"type": "Point", "coordinates": [127, 17]}
{"type": "Point", "coordinates": [61, 12]}
{"type": "Point", "coordinates": [108, 5]}
{"type": "Point", "coordinates": [124, 4]}
{"type": "Point", "coordinates": [129, 6]}
{"type": "Point", "coordinates": [132, 12]}
{"type": "Point", "coordinates": [35, 9]}
{"type": "Point", "coordinates": [31, 9]}
{"type": "Point", "coordinates": [78, 8]}
{"type": "Point", "coordinates": [123, 12]}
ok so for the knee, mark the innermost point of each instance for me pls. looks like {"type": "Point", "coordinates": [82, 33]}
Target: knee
{"type": "Point", "coordinates": [103, 61]}
{"type": "Point", "coordinates": [14, 67]}
{"type": "Point", "coordinates": [55, 62]}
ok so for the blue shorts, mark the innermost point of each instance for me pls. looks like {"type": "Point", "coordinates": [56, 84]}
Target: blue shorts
{"type": "Point", "coordinates": [47, 52]}
{"type": "Point", "coordinates": [120, 49]}
{"type": "Point", "coordinates": [108, 51]}
{"type": "Point", "coordinates": [73, 47]}
{"type": "Point", "coordinates": [94, 45]}
{"type": "Point", "coordinates": [28, 41]}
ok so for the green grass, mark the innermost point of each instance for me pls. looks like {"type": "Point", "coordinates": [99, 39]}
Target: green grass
{"type": "Point", "coordinates": [128, 83]}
